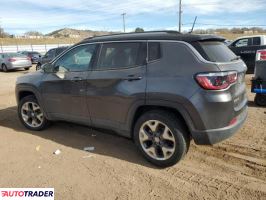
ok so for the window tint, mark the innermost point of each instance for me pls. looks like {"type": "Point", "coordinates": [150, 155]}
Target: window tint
{"type": "Point", "coordinates": [256, 41]}
{"type": "Point", "coordinates": [154, 51]}
{"type": "Point", "coordinates": [122, 55]}
{"type": "Point", "coordinates": [77, 59]}
{"type": "Point", "coordinates": [214, 51]}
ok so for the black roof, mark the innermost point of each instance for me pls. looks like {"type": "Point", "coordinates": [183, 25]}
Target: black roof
{"type": "Point", "coordinates": [154, 35]}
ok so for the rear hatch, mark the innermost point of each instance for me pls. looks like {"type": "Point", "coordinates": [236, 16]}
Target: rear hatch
{"type": "Point", "coordinates": [218, 53]}
{"type": "Point", "coordinates": [20, 60]}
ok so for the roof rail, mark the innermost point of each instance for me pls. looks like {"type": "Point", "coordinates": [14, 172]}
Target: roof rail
{"type": "Point", "coordinates": [114, 34]}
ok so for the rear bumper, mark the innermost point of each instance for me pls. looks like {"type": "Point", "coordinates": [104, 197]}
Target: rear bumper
{"type": "Point", "coordinates": [12, 66]}
{"type": "Point", "coordinates": [214, 136]}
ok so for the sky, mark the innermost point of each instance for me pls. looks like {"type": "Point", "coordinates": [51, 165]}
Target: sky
{"type": "Point", "coordinates": [20, 16]}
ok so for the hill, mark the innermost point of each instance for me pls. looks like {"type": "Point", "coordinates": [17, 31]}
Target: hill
{"type": "Point", "coordinates": [74, 33]}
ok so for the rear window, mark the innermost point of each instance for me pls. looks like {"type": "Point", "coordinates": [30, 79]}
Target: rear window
{"type": "Point", "coordinates": [14, 55]}
{"type": "Point", "coordinates": [256, 41]}
{"type": "Point", "coordinates": [214, 51]}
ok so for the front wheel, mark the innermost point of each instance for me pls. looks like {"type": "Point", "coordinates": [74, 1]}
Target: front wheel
{"type": "Point", "coordinates": [31, 114]}
{"type": "Point", "coordinates": [161, 137]}
{"type": "Point", "coordinates": [260, 99]}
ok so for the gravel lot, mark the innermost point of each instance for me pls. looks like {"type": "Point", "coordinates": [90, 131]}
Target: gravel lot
{"type": "Point", "coordinates": [233, 169]}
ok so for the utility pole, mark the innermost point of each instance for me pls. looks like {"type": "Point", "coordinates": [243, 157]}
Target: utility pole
{"type": "Point", "coordinates": [180, 15]}
{"type": "Point", "coordinates": [124, 23]}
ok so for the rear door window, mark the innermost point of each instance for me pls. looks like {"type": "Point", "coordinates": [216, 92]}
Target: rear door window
{"type": "Point", "coordinates": [214, 51]}
{"type": "Point", "coordinates": [121, 55]}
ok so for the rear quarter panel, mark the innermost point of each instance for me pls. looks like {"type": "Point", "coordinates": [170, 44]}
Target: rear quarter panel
{"type": "Point", "coordinates": [172, 77]}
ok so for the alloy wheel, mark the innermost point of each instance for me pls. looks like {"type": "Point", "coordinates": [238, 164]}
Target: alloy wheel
{"type": "Point", "coordinates": [157, 140]}
{"type": "Point", "coordinates": [32, 114]}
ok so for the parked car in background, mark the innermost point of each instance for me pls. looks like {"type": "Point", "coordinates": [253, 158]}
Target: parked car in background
{"type": "Point", "coordinates": [10, 61]}
{"type": "Point", "coordinates": [259, 80]}
{"type": "Point", "coordinates": [161, 89]}
{"type": "Point", "coordinates": [246, 47]}
{"type": "Point", "coordinates": [33, 55]}
{"type": "Point", "coordinates": [49, 56]}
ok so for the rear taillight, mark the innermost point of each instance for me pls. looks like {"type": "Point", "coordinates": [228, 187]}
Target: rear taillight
{"type": "Point", "coordinates": [261, 55]}
{"type": "Point", "coordinates": [216, 81]}
{"type": "Point", "coordinates": [11, 59]}
{"type": "Point", "coordinates": [28, 58]}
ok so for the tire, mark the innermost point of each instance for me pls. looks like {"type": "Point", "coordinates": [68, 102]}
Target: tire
{"type": "Point", "coordinates": [38, 66]}
{"type": "Point", "coordinates": [26, 68]}
{"type": "Point", "coordinates": [38, 122]}
{"type": "Point", "coordinates": [260, 99]}
{"type": "Point", "coordinates": [176, 140]}
{"type": "Point", "coordinates": [4, 68]}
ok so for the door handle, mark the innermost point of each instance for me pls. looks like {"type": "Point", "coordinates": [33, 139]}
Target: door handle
{"type": "Point", "coordinates": [133, 78]}
{"type": "Point", "coordinates": [76, 79]}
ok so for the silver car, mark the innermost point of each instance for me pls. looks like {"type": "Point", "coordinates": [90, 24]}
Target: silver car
{"type": "Point", "coordinates": [10, 61]}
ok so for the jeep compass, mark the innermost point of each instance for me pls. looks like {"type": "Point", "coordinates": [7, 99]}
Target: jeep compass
{"type": "Point", "coordinates": [162, 89]}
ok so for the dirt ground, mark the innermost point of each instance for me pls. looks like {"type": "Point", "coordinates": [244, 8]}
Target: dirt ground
{"type": "Point", "coordinates": [233, 169]}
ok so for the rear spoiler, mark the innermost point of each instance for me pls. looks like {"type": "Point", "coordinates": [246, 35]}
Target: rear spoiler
{"type": "Point", "coordinates": [211, 38]}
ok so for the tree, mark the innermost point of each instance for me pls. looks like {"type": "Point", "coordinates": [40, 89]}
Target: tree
{"type": "Point", "coordinates": [33, 33]}
{"type": "Point", "coordinates": [139, 30]}
{"type": "Point", "coordinates": [3, 34]}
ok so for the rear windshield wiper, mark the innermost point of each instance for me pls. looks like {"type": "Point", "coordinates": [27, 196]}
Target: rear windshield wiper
{"type": "Point", "coordinates": [235, 58]}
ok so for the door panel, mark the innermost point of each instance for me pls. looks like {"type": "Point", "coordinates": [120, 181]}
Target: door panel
{"type": "Point", "coordinates": [63, 94]}
{"type": "Point", "coordinates": [64, 90]}
{"type": "Point", "coordinates": [112, 92]}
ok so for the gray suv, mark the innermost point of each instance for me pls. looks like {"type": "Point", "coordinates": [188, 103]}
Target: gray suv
{"type": "Point", "coordinates": [162, 89]}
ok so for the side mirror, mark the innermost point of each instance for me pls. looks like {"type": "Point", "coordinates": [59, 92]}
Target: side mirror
{"type": "Point", "coordinates": [48, 68]}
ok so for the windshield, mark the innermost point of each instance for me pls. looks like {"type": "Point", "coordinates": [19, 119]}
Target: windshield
{"type": "Point", "coordinates": [214, 51]}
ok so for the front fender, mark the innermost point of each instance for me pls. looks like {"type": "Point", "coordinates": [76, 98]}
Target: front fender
{"type": "Point", "coordinates": [20, 88]}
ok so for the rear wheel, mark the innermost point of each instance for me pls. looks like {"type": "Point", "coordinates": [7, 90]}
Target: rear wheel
{"type": "Point", "coordinates": [31, 114]}
{"type": "Point", "coordinates": [161, 137]}
{"type": "Point", "coordinates": [4, 68]}
{"type": "Point", "coordinates": [26, 68]}
{"type": "Point", "coordinates": [260, 99]}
